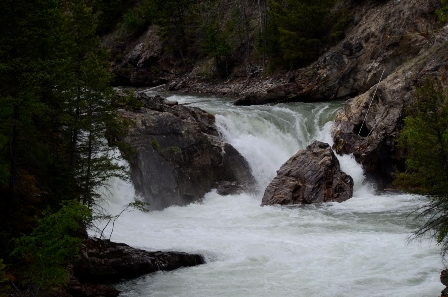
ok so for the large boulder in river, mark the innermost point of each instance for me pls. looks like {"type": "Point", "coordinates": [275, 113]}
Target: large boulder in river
{"type": "Point", "coordinates": [310, 176]}
{"type": "Point", "coordinates": [180, 155]}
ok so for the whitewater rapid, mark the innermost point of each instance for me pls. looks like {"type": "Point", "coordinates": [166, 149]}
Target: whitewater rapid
{"type": "Point", "coordinates": [356, 248]}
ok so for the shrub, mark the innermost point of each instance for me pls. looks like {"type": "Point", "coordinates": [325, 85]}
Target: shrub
{"type": "Point", "coordinates": [52, 244]}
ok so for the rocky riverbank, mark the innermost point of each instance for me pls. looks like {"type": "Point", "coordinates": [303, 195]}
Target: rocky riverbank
{"type": "Point", "coordinates": [102, 262]}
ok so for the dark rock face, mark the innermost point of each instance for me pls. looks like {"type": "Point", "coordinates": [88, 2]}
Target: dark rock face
{"type": "Point", "coordinates": [374, 146]}
{"type": "Point", "coordinates": [179, 154]}
{"type": "Point", "coordinates": [77, 289]}
{"type": "Point", "coordinates": [104, 261]}
{"type": "Point", "coordinates": [138, 62]}
{"type": "Point", "coordinates": [310, 176]}
{"type": "Point", "coordinates": [258, 99]}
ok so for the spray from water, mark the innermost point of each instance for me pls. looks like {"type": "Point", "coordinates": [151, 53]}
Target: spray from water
{"type": "Point", "coordinates": [355, 248]}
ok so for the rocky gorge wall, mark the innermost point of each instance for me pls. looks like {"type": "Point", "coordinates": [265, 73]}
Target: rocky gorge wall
{"type": "Point", "coordinates": [398, 40]}
{"type": "Point", "coordinates": [179, 154]}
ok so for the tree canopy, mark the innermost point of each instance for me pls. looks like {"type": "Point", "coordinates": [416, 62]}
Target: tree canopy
{"type": "Point", "coordinates": [59, 123]}
{"type": "Point", "coordinates": [424, 140]}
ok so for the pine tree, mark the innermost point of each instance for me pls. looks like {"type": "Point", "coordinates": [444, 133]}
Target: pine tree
{"type": "Point", "coordinates": [89, 107]}
{"type": "Point", "coordinates": [424, 139]}
{"type": "Point", "coordinates": [29, 64]}
{"type": "Point", "coordinates": [296, 30]}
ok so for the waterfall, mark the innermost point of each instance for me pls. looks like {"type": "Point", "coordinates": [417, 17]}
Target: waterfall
{"type": "Point", "coordinates": [355, 248]}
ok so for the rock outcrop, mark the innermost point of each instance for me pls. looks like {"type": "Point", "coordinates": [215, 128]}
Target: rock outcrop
{"type": "Point", "coordinates": [383, 35]}
{"type": "Point", "coordinates": [310, 176]}
{"type": "Point", "coordinates": [374, 146]}
{"type": "Point", "coordinates": [138, 62]}
{"type": "Point", "coordinates": [180, 155]}
{"type": "Point", "coordinates": [103, 261]}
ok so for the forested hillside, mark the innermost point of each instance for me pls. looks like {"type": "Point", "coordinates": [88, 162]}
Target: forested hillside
{"type": "Point", "coordinates": [155, 41]}
{"type": "Point", "coordinates": [58, 117]}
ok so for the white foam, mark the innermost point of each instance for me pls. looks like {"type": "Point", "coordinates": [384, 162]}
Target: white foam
{"type": "Point", "coordinates": [355, 248]}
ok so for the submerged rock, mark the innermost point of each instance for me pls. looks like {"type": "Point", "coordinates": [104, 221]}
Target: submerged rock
{"type": "Point", "coordinates": [310, 176]}
{"type": "Point", "coordinates": [179, 154]}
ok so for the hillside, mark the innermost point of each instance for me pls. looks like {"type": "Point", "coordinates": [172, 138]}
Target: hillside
{"type": "Point", "coordinates": [400, 42]}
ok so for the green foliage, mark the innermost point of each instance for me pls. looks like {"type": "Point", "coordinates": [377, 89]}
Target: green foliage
{"type": "Point", "coordinates": [129, 101]}
{"type": "Point", "coordinates": [216, 43]}
{"type": "Point", "coordinates": [89, 109]}
{"type": "Point", "coordinates": [298, 29]}
{"type": "Point", "coordinates": [133, 22]}
{"type": "Point", "coordinates": [173, 149]}
{"type": "Point", "coordinates": [52, 244]}
{"type": "Point", "coordinates": [342, 20]}
{"type": "Point", "coordinates": [137, 19]}
{"type": "Point", "coordinates": [3, 279]}
{"type": "Point", "coordinates": [424, 140]}
{"type": "Point", "coordinates": [442, 13]}
{"type": "Point", "coordinates": [107, 12]}
{"type": "Point", "coordinates": [155, 144]}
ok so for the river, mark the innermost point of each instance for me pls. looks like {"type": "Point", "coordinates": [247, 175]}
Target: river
{"type": "Point", "coordinates": [356, 248]}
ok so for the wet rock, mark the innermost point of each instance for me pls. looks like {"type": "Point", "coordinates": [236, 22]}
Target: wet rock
{"type": "Point", "coordinates": [137, 63]}
{"type": "Point", "coordinates": [310, 176]}
{"type": "Point", "coordinates": [179, 154]}
{"type": "Point", "coordinates": [385, 35]}
{"type": "Point", "coordinates": [374, 143]}
{"type": "Point", "coordinates": [103, 261]}
{"type": "Point", "coordinates": [78, 289]}
{"type": "Point", "coordinates": [229, 188]}
{"type": "Point", "coordinates": [258, 99]}
{"type": "Point", "coordinates": [444, 281]}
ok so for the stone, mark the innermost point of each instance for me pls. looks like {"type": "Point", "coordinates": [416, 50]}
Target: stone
{"type": "Point", "coordinates": [310, 176]}
{"type": "Point", "coordinates": [375, 145]}
{"type": "Point", "coordinates": [179, 154]}
{"type": "Point", "coordinates": [229, 188]}
{"type": "Point", "coordinates": [103, 261]}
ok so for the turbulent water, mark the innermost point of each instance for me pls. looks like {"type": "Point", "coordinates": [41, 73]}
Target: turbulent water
{"type": "Point", "coordinates": [356, 248]}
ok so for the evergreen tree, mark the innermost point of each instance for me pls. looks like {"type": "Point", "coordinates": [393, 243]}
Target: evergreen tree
{"type": "Point", "coordinates": [30, 61]}
{"type": "Point", "coordinates": [425, 141]}
{"type": "Point", "coordinates": [89, 105]}
{"type": "Point", "coordinates": [297, 29]}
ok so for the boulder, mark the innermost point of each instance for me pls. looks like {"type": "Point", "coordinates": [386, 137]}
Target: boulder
{"type": "Point", "coordinates": [103, 261]}
{"type": "Point", "coordinates": [310, 176]}
{"type": "Point", "coordinates": [179, 154]}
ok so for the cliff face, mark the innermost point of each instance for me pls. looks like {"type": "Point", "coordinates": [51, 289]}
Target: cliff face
{"type": "Point", "coordinates": [398, 40]}
{"type": "Point", "coordinates": [408, 45]}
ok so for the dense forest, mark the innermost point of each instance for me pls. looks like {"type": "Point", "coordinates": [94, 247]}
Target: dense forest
{"type": "Point", "coordinates": [59, 132]}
